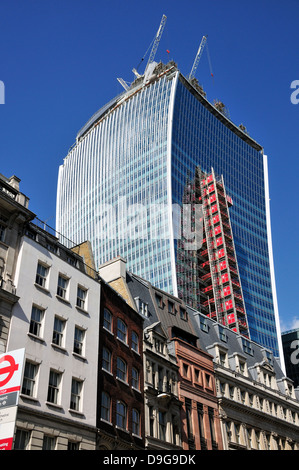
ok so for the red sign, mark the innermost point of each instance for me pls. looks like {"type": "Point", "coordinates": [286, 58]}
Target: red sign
{"type": "Point", "coordinates": [6, 444]}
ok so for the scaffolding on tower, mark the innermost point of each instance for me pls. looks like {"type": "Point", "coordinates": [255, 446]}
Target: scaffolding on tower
{"type": "Point", "coordinates": [208, 278]}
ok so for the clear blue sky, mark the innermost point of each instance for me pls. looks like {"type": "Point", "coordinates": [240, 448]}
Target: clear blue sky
{"type": "Point", "coordinates": [60, 59]}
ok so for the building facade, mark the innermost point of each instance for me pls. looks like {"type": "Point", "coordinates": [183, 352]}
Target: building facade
{"type": "Point", "coordinates": [181, 410]}
{"type": "Point", "coordinates": [258, 404]}
{"type": "Point", "coordinates": [14, 213]}
{"type": "Point", "coordinates": [122, 182]}
{"type": "Point", "coordinates": [56, 321]}
{"type": "Point", "coordinates": [120, 414]}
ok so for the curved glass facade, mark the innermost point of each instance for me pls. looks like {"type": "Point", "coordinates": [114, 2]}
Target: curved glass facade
{"type": "Point", "coordinates": [137, 154]}
{"type": "Point", "coordinates": [115, 178]}
{"type": "Point", "coordinates": [200, 138]}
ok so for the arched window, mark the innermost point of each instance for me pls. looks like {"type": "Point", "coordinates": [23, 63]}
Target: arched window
{"type": "Point", "coordinates": [121, 414]}
{"type": "Point", "coordinates": [135, 378]}
{"type": "Point", "coordinates": [121, 369]}
{"type": "Point", "coordinates": [135, 422]}
{"type": "Point", "coordinates": [135, 341]}
{"type": "Point", "coordinates": [121, 330]}
{"type": "Point", "coordinates": [106, 359]}
{"type": "Point", "coordinates": [105, 406]}
{"type": "Point", "coordinates": [107, 320]}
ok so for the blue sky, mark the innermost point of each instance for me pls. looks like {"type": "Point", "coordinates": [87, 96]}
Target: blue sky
{"type": "Point", "coordinates": [60, 59]}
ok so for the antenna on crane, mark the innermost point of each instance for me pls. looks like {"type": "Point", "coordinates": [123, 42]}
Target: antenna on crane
{"type": "Point", "coordinates": [156, 41]}
{"type": "Point", "coordinates": [197, 57]}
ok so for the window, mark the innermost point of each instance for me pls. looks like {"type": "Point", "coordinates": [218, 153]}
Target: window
{"type": "Point", "coordinates": [212, 424]}
{"type": "Point", "coordinates": [59, 325]}
{"type": "Point", "coordinates": [81, 297]}
{"type": "Point", "coordinates": [151, 420]}
{"type": "Point", "coordinates": [121, 369]}
{"type": "Point", "coordinates": [203, 322]}
{"type": "Point", "coordinates": [171, 307]}
{"type": "Point", "coordinates": [142, 307]}
{"type": "Point", "coordinates": [53, 388]}
{"type": "Point", "coordinates": [247, 347]}
{"type": "Point", "coordinates": [121, 330]}
{"type": "Point", "coordinates": [106, 360]}
{"type": "Point", "coordinates": [105, 406]}
{"type": "Point", "coordinates": [183, 314]}
{"type": "Point", "coordinates": [76, 394]}
{"type": "Point", "coordinates": [79, 340]}
{"type": "Point", "coordinates": [135, 341]}
{"type": "Point", "coordinates": [71, 445]}
{"type": "Point", "coordinates": [222, 333]}
{"type": "Point", "coordinates": [37, 315]}
{"type": "Point", "coordinates": [22, 439]}
{"type": "Point", "coordinates": [121, 414]}
{"type": "Point", "coordinates": [223, 358]}
{"type": "Point", "coordinates": [41, 275]}
{"type": "Point", "coordinates": [49, 442]}
{"type": "Point", "coordinates": [135, 378]}
{"type": "Point", "coordinates": [2, 232]}
{"type": "Point", "coordinates": [198, 376]}
{"type": "Point", "coordinates": [30, 372]}
{"type": "Point", "coordinates": [107, 320]}
{"type": "Point", "coordinates": [159, 300]}
{"type": "Point", "coordinates": [185, 369]}
{"type": "Point", "coordinates": [62, 286]}
{"type": "Point", "coordinates": [162, 425]}
{"type": "Point", "coordinates": [200, 420]}
{"type": "Point", "coordinates": [135, 422]}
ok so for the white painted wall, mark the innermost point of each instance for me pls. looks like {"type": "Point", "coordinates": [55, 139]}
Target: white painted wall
{"type": "Point", "coordinates": [42, 351]}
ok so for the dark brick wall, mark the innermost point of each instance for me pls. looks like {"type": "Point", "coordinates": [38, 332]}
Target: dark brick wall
{"type": "Point", "coordinates": [108, 382]}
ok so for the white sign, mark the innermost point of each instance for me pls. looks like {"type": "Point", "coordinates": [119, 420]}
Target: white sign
{"type": "Point", "coordinates": [11, 370]}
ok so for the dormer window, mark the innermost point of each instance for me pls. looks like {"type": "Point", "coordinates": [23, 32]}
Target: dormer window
{"type": "Point", "coordinates": [183, 314]}
{"type": "Point", "coordinates": [203, 323]}
{"type": "Point", "coordinates": [142, 307]}
{"type": "Point", "coordinates": [247, 346]}
{"type": "Point", "coordinates": [171, 308]}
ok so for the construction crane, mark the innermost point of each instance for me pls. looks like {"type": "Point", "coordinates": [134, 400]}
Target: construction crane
{"type": "Point", "coordinates": [198, 56]}
{"type": "Point", "coordinates": [156, 41]}
{"type": "Point", "coordinates": [124, 84]}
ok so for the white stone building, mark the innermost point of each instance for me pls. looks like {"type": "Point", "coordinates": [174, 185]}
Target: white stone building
{"type": "Point", "coordinates": [56, 320]}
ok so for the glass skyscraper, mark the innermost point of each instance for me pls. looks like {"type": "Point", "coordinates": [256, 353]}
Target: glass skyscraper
{"type": "Point", "coordinates": [122, 180]}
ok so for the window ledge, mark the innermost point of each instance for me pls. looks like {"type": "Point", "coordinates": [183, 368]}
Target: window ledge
{"type": "Point", "coordinates": [46, 291]}
{"type": "Point", "coordinates": [76, 412]}
{"type": "Point", "coordinates": [62, 299]}
{"type": "Point", "coordinates": [78, 356]}
{"type": "Point", "coordinates": [28, 397]}
{"type": "Point", "coordinates": [106, 422]}
{"type": "Point", "coordinates": [59, 348]}
{"type": "Point", "coordinates": [122, 341]}
{"type": "Point", "coordinates": [122, 429]}
{"type": "Point", "coordinates": [123, 381]}
{"type": "Point", "coordinates": [107, 371]}
{"type": "Point", "coordinates": [54, 405]}
{"type": "Point", "coordinates": [37, 338]}
{"type": "Point", "coordinates": [82, 310]}
{"type": "Point", "coordinates": [136, 352]}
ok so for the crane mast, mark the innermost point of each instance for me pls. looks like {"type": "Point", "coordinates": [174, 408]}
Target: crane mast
{"type": "Point", "coordinates": [156, 41]}
{"type": "Point", "coordinates": [198, 56]}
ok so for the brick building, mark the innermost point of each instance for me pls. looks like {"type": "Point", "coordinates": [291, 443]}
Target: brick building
{"type": "Point", "coordinates": [120, 418]}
